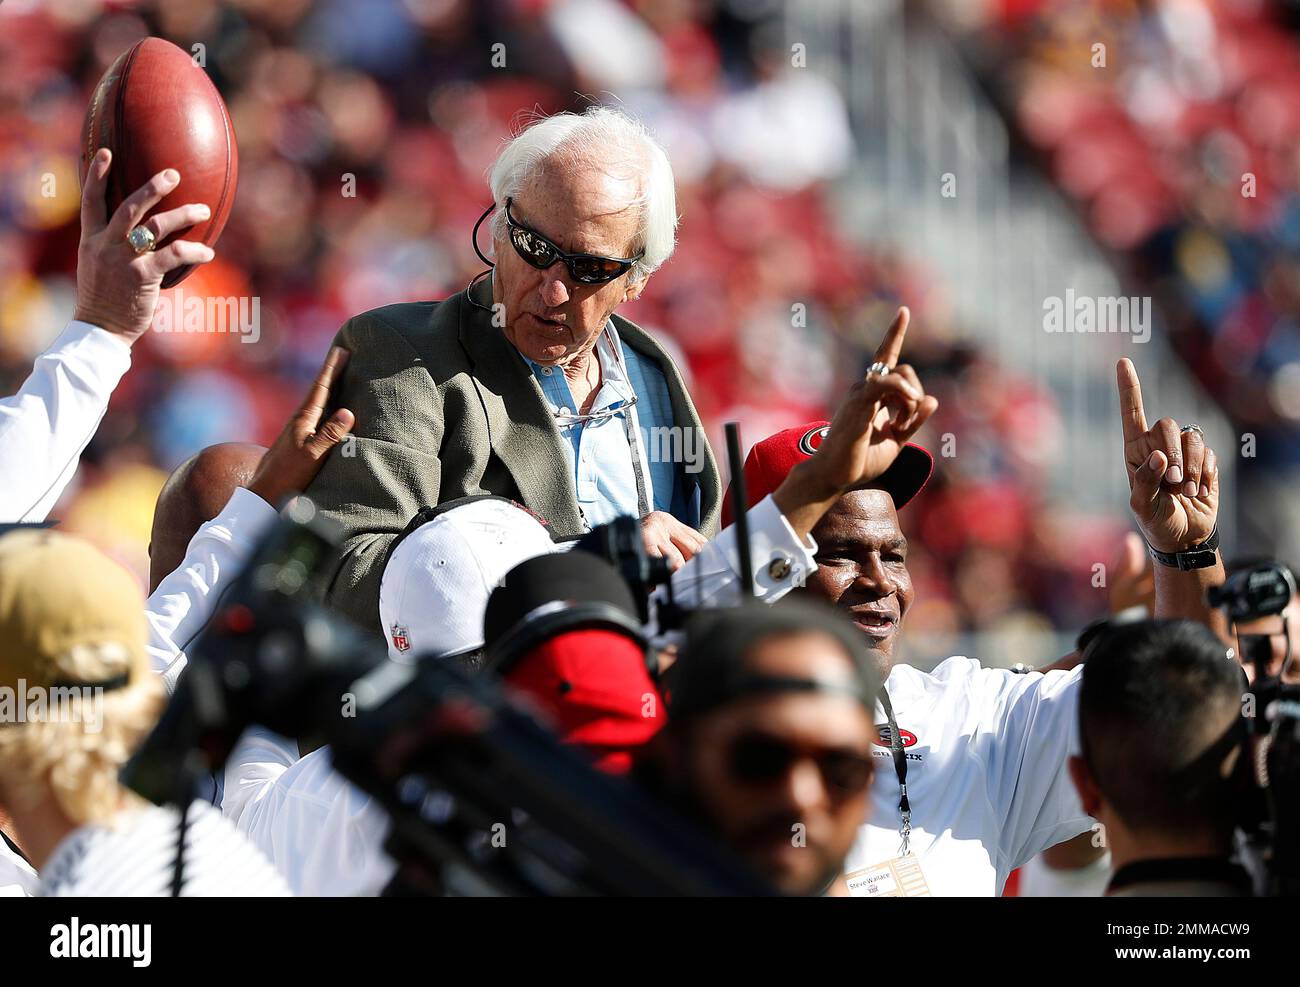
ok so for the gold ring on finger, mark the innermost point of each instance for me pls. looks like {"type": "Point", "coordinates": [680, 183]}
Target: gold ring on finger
{"type": "Point", "coordinates": [142, 239]}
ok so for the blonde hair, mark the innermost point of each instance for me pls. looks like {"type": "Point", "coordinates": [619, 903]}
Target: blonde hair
{"type": "Point", "coordinates": [72, 762]}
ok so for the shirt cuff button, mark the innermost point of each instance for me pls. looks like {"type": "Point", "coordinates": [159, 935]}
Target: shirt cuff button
{"type": "Point", "coordinates": [779, 567]}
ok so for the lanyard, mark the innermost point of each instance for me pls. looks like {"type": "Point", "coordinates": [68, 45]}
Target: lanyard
{"type": "Point", "coordinates": [900, 769]}
{"type": "Point", "coordinates": [633, 439]}
{"type": "Point", "coordinates": [629, 429]}
{"type": "Point", "coordinates": [634, 447]}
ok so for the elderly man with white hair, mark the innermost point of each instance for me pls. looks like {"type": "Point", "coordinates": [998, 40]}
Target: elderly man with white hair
{"type": "Point", "coordinates": [526, 384]}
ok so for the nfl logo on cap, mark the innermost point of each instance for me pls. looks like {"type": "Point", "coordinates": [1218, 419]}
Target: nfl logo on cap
{"type": "Point", "coordinates": [401, 638]}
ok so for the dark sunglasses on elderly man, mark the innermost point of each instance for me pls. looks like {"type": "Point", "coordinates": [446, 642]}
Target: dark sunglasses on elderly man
{"type": "Point", "coordinates": [541, 253]}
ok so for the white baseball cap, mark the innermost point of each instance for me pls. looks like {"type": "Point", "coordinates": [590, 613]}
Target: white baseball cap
{"type": "Point", "coordinates": [437, 579]}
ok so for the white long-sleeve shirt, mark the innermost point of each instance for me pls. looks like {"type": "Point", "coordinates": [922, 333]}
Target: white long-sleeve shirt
{"type": "Point", "coordinates": [43, 430]}
{"type": "Point", "coordinates": [324, 834]}
{"type": "Point", "coordinates": [45, 426]}
{"type": "Point", "coordinates": [186, 598]}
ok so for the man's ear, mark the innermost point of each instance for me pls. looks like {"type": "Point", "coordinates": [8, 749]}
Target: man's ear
{"type": "Point", "coordinates": [1089, 794]}
{"type": "Point", "coordinates": [634, 288]}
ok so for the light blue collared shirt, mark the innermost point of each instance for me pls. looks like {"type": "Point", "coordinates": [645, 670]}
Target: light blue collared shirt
{"type": "Point", "coordinates": [598, 453]}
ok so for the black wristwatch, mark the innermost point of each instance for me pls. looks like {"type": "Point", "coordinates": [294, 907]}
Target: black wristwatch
{"type": "Point", "coordinates": [1200, 556]}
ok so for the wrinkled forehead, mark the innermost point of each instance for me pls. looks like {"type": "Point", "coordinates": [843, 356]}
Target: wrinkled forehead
{"type": "Point", "coordinates": [565, 202]}
{"type": "Point", "coordinates": [864, 516]}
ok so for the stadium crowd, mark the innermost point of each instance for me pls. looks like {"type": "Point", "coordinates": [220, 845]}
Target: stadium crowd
{"type": "Point", "coordinates": [1173, 126]}
{"type": "Point", "coordinates": [477, 458]}
{"type": "Point", "coordinates": [394, 102]}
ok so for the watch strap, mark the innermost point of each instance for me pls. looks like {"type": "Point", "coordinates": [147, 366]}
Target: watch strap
{"type": "Point", "coordinates": [1200, 556]}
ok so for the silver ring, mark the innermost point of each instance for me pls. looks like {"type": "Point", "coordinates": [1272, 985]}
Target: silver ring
{"type": "Point", "coordinates": [1191, 428]}
{"type": "Point", "coordinates": [878, 368]}
{"type": "Point", "coordinates": [142, 239]}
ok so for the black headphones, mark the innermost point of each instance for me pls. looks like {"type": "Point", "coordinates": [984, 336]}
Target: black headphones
{"type": "Point", "coordinates": [555, 594]}
{"type": "Point", "coordinates": [558, 617]}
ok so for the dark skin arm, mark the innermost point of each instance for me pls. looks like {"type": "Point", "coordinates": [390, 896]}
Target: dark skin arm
{"type": "Point", "coordinates": [1074, 854]}
{"type": "Point", "coordinates": [872, 424]}
{"type": "Point", "coordinates": [1173, 481]}
{"type": "Point", "coordinates": [299, 451]}
{"type": "Point", "coordinates": [1174, 495]}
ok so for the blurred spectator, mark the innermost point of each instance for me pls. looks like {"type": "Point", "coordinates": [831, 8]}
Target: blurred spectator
{"type": "Point", "coordinates": [1175, 126]}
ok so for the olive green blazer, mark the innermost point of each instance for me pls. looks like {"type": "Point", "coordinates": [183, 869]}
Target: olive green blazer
{"type": "Point", "coordinates": [445, 408]}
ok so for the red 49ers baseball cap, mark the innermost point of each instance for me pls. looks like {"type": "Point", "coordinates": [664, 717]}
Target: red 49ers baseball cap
{"type": "Point", "coordinates": [771, 460]}
{"type": "Point", "coordinates": [564, 630]}
{"type": "Point", "coordinates": [593, 685]}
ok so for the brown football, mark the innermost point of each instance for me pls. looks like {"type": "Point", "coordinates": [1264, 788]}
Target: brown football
{"type": "Point", "coordinates": [154, 109]}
